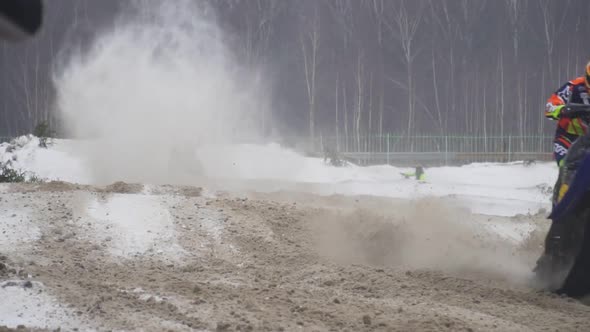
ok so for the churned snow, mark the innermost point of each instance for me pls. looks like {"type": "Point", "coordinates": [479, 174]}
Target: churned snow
{"type": "Point", "coordinates": [139, 224]}
{"type": "Point", "coordinates": [16, 229]}
{"type": "Point", "coordinates": [133, 225]}
{"type": "Point", "coordinates": [28, 304]}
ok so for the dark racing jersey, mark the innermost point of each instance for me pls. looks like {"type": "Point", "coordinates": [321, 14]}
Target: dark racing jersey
{"type": "Point", "coordinates": [574, 91]}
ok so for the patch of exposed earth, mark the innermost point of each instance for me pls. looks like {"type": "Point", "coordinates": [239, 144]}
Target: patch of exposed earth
{"type": "Point", "coordinates": [129, 257]}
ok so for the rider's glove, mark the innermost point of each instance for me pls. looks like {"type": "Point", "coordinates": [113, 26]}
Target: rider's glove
{"type": "Point", "coordinates": [553, 111]}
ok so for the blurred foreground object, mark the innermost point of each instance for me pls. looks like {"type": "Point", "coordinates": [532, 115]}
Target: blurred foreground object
{"type": "Point", "coordinates": [20, 19]}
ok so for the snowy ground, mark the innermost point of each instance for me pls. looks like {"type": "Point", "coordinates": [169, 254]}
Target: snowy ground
{"type": "Point", "coordinates": [276, 242]}
{"type": "Point", "coordinates": [486, 188]}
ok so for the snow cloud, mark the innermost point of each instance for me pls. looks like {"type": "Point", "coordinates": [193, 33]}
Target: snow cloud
{"type": "Point", "coordinates": [151, 89]}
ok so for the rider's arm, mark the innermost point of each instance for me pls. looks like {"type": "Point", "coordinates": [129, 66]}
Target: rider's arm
{"type": "Point", "coordinates": [558, 100]}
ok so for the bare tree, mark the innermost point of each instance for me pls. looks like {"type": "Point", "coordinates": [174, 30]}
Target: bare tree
{"type": "Point", "coordinates": [337, 111]}
{"type": "Point", "coordinates": [345, 105]}
{"type": "Point", "coordinates": [436, 95]}
{"type": "Point", "coordinates": [360, 84]}
{"type": "Point", "coordinates": [360, 67]}
{"type": "Point", "coordinates": [501, 88]}
{"type": "Point", "coordinates": [516, 13]}
{"type": "Point", "coordinates": [448, 32]}
{"type": "Point", "coordinates": [404, 27]}
{"type": "Point", "coordinates": [342, 13]}
{"type": "Point", "coordinates": [309, 38]}
{"type": "Point", "coordinates": [377, 8]}
{"type": "Point", "coordinates": [551, 27]}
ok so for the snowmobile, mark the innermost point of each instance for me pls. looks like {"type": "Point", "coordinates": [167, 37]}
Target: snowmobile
{"type": "Point", "coordinates": [564, 266]}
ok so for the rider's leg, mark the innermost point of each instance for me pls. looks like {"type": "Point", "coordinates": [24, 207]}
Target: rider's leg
{"type": "Point", "coordinates": [561, 145]}
{"type": "Point", "coordinates": [579, 148]}
{"type": "Point", "coordinates": [561, 239]}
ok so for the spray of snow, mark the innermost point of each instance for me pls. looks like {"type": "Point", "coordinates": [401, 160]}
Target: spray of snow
{"type": "Point", "coordinates": [151, 89]}
{"type": "Point", "coordinates": [427, 234]}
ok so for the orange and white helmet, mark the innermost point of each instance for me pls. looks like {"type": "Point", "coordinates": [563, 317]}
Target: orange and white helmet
{"type": "Point", "coordinates": [587, 75]}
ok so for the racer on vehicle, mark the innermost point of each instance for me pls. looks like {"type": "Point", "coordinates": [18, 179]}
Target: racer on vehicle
{"type": "Point", "coordinates": [564, 266]}
{"type": "Point", "coordinates": [568, 130]}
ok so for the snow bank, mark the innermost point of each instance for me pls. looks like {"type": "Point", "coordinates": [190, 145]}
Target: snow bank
{"type": "Point", "coordinates": [57, 162]}
{"type": "Point", "coordinates": [489, 188]}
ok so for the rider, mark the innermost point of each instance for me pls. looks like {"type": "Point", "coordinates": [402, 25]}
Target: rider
{"type": "Point", "coordinates": [568, 130]}
{"type": "Point", "coordinates": [418, 173]}
{"type": "Point", "coordinates": [563, 238]}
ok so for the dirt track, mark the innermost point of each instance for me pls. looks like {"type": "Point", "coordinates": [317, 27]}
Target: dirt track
{"type": "Point", "coordinates": [270, 262]}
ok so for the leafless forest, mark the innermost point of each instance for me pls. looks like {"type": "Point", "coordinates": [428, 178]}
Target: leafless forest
{"type": "Point", "coordinates": [355, 67]}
